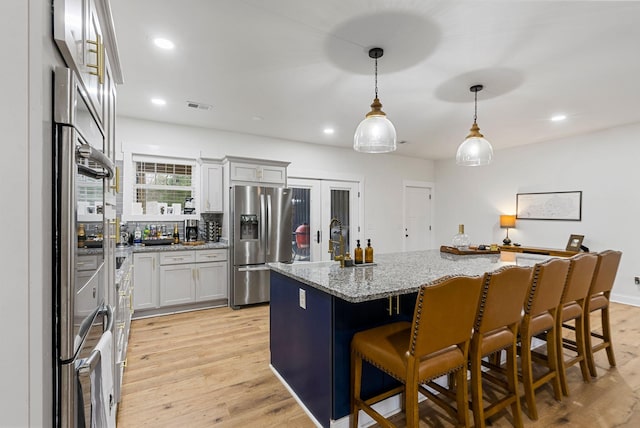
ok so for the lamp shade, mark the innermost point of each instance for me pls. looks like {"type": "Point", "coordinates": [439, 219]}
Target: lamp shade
{"type": "Point", "coordinates": [375, 134]}
{"type": "Point", "coordinates": [507, 221]}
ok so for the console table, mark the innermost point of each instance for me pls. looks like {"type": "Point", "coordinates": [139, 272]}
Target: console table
{"type": "Point", "coordinates": [554, 252]}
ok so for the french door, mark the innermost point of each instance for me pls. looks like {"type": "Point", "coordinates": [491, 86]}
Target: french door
{"type": "Point", "coordinates": [315, 204]}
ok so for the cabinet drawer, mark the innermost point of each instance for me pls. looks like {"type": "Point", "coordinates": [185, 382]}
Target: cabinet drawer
{"type": "Point", "coordinates": [177, 257]}
{"type": "Point", "coordinates": [87, 262]}
{"type": "Point", "coordinates": [211, 256]}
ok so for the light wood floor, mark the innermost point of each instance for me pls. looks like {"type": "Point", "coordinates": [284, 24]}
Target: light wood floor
{"type": "Point", "coordinates": [211, 368]}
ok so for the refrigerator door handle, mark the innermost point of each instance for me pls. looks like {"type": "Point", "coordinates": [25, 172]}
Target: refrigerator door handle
{"type": "Point", "coordinates": [268, 225]}
{"type": "Point", "coordinates": [263, 222]}
{"type": "Point", "coordinates": [253, 268]}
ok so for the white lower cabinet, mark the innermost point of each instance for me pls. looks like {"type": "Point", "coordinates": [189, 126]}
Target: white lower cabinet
{"type": "Point", "coordinates": [211, 281]}
{"type": "Point", "coordinates": [172, 278]}
{"type": "Point", "coordinates": [145, 280]}
{"type": "Point", "coordinates": [177, 284]}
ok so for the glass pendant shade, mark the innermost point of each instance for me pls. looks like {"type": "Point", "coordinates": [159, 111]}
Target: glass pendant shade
{"type": "Point", "coordinates": [474, 150]}
{"type": "Point", "coordinates": [376, 133]}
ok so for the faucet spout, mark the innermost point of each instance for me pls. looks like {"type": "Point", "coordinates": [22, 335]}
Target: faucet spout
{"type": "Point", "coordinates": [340, 242]}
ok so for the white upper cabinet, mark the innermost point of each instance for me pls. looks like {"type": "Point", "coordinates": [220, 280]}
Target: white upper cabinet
{"type": "Point", "coordinates": [248, 171]}
{"type": "Point", "coordinates": [84, 33]}
{"type": "Point", "coordinates": [211, 187]}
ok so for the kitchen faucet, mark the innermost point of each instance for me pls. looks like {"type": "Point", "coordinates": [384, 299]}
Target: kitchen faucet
{"type": "Point", "coordinates": [340, 242]}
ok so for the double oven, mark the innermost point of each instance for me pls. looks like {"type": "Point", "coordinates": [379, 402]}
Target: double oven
{"type": "Point", "coordinates": [83, 322]}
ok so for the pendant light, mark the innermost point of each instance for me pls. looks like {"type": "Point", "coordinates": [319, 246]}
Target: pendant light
{"type": "Point", "coordinates": [376, 133]}
{"type": "Point", "coordinates": [474, 150]}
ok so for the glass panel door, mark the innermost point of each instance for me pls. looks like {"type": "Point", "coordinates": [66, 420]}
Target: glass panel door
{"type": "Point", "coordinates": [306, 233]}
{"type": "Point", "coordinates": [340, 201]}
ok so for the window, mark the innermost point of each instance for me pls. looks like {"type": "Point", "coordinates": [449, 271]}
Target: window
{"type": "Point", "coordinates": [161, 186]}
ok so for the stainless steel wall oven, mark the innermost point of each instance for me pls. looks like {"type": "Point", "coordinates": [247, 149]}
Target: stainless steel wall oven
{"type": "Point", "coordinates": [82, 319]}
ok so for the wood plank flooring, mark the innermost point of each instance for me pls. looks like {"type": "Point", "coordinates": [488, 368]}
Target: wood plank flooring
{"type": "Point", "coordinates": [211, 368]}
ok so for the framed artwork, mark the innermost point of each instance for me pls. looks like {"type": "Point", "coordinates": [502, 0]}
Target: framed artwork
{"type": "Point", "coordinates": [549, 206]}
{"type": "Point", "coordinates": [575, 242]}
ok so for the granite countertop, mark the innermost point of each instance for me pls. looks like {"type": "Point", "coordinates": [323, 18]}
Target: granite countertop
{"type": "Point", "coordinates": [177, 247]}
{"type": "Point", "coordinates": [396, 273]}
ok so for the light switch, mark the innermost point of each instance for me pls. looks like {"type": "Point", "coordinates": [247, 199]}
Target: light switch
{"type": "Point", "coordinates": [303, 299]}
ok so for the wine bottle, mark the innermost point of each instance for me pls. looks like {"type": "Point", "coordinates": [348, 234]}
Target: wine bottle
{"type": "Point", "coordinates": [82, 235]}
{"type": "Point", "coordinates": [176, 235]}
{"type": "Point", "coordinates": [368, 252]}
{"type": "Point", "coordinates": [357, 254]}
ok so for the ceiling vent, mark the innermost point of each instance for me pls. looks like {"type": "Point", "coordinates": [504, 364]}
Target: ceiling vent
{"type": "Point", "coordinates": [198, 106]}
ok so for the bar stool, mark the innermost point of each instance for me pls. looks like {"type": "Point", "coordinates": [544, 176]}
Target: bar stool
{"type": "Point", "coordinates": [436, 343]}
{"type": "Point", "coordinates": [496, 328]}
{"type": "Point", "coordinates": [579, 278]}
{"type": "Point", "coordinates": [599, 292]}
{"type": "Point", "coordinates": [540, 311]}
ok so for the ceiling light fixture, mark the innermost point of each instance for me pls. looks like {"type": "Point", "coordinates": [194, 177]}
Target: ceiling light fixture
{"type": "Point", "coordinates": [163, 43]}
{"type": "Point", "coordinates": [474, 150]}
{"type": "Point", "coordinates": [328, 131]}
{"type": "Point", "coordinates": [558, 118]}
{"type": "Point", "coordinates": [158, 101]}
{"type": "Point", "coordinates": [375, 134]}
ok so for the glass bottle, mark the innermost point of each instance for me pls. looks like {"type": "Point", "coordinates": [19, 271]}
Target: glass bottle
{"type": "Point", "coordinates": [137, 235]}
{"type": "Point", "coordinates": [145, 234]}
{"type": "Point", "coordinates": [176, 235]}
{"type": "Point", "coordinates": [461, 239]}
{"type": "Point", "coordinates": [82, 235]}
{"type": "Point", "coordinates": [357, 254]}
{"type": "Point", "coordinates": [368, 252]}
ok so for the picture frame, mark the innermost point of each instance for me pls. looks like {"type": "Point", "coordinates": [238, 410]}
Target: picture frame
{"type": "Point", "coordinates": [575, 243]}
{"type": "Point", "coordinates": [565, 206]}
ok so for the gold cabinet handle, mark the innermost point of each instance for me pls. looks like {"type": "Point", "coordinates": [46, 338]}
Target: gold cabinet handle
{"type": "Point", "coordinates": [116, 181]}
{"type": "Point", "coordinates": [99, 65]}
{"type": "Point", "coordinates": [131, 301]}
{"type": "Point", "coordinates": [390, 308]}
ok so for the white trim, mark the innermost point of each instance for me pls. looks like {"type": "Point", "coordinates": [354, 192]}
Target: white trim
{"type": "Point", "coordinates": [386, 408]}
{"type": "Point", "coordinates": [425, 185]}
{"type": "Point", "coordinates": [625, 299]}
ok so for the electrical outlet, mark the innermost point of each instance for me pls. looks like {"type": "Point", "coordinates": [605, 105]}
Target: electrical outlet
{"type": "Point", "coordinates": [637, 280]}
{"type": "Point", "coordinates": [302, 297]}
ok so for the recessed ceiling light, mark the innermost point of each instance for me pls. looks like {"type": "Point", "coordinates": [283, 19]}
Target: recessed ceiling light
{"type": "Point", "coordinates": [328, 131]}
{"type": "Point", "coordinates": [163, 43]}
{"type": "Point", "coordinates": [257, 118]}
{"type": "Point", "coordinates": [558, 117]}
{"type": "Point", "coordinates": [158, 101]}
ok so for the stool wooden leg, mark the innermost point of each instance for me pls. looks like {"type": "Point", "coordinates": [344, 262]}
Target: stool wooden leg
{"type": "Point", "coordinates": [552, 358]}
{"type": "Point", "coordinates": [561, 369]}
{"type": "Point", "coordinates": [476, 390]}
{"type": "Point", "coordinates": [582, 351]}
{"type": "Point", "coordinates": [527, 377]}
{"type": "Point", "coordinates": [356, 378]}
{"type": "Point", "coordinates": [512, 378]}
{"type": "Point", "coordinates": [606, 333]}
{"type": "Point", "coordinates": [589, 345]}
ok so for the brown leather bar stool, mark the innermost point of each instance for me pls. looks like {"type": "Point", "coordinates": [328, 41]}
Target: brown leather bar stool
{"type": "Point", "coordinates": [540, 311]}
{"type": "Point", "coordinates": [572, 304]}
{"type": "Point", "coordinates": [599, 292]}
{"type": "Point", "coordinates": [435, 344]}
{"type": "Point", "coordinates": [496, 328]}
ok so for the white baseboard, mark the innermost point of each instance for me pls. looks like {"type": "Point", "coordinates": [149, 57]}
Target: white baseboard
{"type": "Point", "coordinates": [386, 408]}
{"type": "Point", "coordinates": [625, 299]}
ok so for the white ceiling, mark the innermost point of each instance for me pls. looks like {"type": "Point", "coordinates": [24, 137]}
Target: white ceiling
{"type": "Point", "coordinates": [302, 65]}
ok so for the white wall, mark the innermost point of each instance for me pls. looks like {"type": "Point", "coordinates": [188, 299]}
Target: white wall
{"type": "Point", "coordinates": [382, 174]}
{"type": "Point", "coordinates": [603, 165]}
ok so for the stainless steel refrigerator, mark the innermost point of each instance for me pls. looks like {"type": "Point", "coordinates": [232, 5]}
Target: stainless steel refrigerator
{"type": "Point", "coordinates": [260, 226]}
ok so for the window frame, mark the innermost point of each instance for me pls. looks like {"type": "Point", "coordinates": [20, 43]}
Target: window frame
{"type": "Point", "coordinates": [128, 193]}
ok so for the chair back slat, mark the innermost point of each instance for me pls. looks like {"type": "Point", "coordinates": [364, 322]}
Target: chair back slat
{"type": "Point", "coordinates": [547, 285]}
{"type": "Point", "coordinates": [444, 314]}
{"type": "Point", "coordinates": [579, 277]}
{"type": "Point", "coordinates": [605, 273]}
{"type": "Point", "coordinates": [502, 297]}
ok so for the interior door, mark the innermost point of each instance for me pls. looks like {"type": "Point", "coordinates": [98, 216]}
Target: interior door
{"type": "Point", "coordinates": [417, 217]}
{"type": "Point", "coordinates": [340, 201]}
{"type": "Point", "coordinates": [306, 233]}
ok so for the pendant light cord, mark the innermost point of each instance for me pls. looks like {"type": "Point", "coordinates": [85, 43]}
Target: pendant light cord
{"type": "Point", "coordinates": [376, 73]}
{"type": "Point", "coordinates": [475, 112]}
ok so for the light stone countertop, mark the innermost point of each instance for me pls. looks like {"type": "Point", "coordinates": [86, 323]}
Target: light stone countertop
{"type": "Point", "coordinates": [396, 273]}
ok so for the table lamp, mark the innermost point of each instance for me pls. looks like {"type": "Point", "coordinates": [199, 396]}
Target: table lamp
{"type": "Point", "coordinates": [506, 222]}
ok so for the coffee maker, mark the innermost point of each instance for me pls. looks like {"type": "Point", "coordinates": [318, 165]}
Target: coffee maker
{"type": "Point", "coordinates": [191, 230]}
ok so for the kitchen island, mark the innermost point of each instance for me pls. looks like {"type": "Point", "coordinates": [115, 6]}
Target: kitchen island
{"type": "Point", "coordinates": [316, 308]}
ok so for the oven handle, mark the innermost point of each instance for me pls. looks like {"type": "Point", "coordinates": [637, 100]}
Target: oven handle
{"type": "Point", "coordinates": [87, 152]}
{"type": "Point", "coordinates": [90, 363]}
